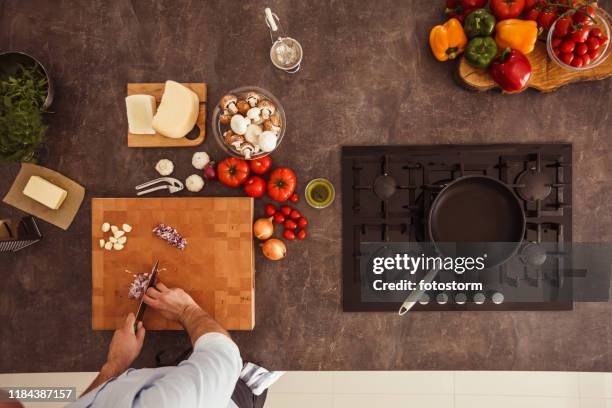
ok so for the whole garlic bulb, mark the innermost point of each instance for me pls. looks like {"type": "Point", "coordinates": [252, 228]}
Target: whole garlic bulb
{"type": "Point", "coordinates": [200, 160]}
{"type": "Point", "coordinates": [164, 167]}
{"type": "Point", "coordinates": [194, 183]}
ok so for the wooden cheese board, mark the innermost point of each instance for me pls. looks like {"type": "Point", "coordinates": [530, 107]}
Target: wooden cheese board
{"type": "Point", "coordinates": [216, 268]}
{"type": "Point", "coordinates": [546, 77]}
{"type": "Point", "coordinates": [157, 140]}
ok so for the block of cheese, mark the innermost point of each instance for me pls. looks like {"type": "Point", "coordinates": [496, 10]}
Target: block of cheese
{"type": "Point", "coordinates": [177, 112]}
{"type": "Point", "coordinates": [140, 112]}
{"type": "Point", "coordinates": [45, 192]}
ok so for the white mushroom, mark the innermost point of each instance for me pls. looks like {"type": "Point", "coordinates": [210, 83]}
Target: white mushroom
{"type": "Point", "coordinates": [252, 134]}
{"type": "Point", "coordinates": [194, 183]}
{"type": "Point", "coordinates": [229, 102]}
{"type": "Point", "coordinates": [267, 141]}
{"type": "Point", "coordinates": [253, 98]}
{"type": "Point", "coordinates": [239, 124]}
{"type": "Point", "coordinates": [267, 108]}
{"type": "Point", "coordinates": [164, 167]}
{"type": "Point", "coordinates": [247, 150]}
{"type": "Point", "coordinates": [200, 160]}
{"type": "Point", "coordinates": [254, 114]}
{"type": "Point", "coordinates": [269, 126]}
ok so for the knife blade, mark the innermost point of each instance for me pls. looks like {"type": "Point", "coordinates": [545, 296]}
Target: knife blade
{"type": "Point", "coordinates": [416, 294]}
{"type": "Point", "coordinates": [143, 306]}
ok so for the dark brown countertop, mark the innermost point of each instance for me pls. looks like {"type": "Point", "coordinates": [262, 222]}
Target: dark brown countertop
{"type": "Point", "coordinates": [368, 78]}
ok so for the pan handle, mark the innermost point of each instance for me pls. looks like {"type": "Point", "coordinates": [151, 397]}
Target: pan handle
{"type": "Point", "coordinates": [416, 294]}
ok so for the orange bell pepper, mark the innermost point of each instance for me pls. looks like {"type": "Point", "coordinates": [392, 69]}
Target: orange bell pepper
{"type": "Point", "coordinates": [517, 34]}
{"type": "Point", "coordinates": [447, 41]}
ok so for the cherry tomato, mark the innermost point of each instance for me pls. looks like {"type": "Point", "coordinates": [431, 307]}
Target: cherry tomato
{"type": "Point", "coordinates": [603, 40]}
{"type": "Point", "coordinates": [577, 62]}
{"type": "Point", "coordinates": [556, 42]}
{"type": "Point", "coordinates": [585, 16]}
{"type": "Point", "coordinates": [580, 35]}
{"type": "Point", "coordinates": [595, 32]}
{"type": "Point", "coordinates": [582, 48]}
{"type": "Point", "coordinates": [270, 210]}
{"type": "Point", "coordinates": [302, 222]}
{"type": "Point", "coordinates": [593, 44]}
{"type": "Point", "coordinates": [566, 58]}
{"type": "Point", "coordinates": [301, 235]}
{"type": "Point", "coordinates": [557, 52]}
{"type": "Point", "coordinates": [285, 210]}
{"type": "Point", "coordinates": [586, 60]}
{"type": "Point", "coordinates": [562, 27]}
{"type": "Point", "coordinates": [290, 224]}
{"type": "Point", "coordinates": [567, 46]}
{"type": "Point", "coordinates": [255, 187]}
{"type": "Point", "coordinates": [546, 19]}
{"type": "Point", "coordinates": [594, 54]}
{"type": "Point", "coordinates": [295, 214]}
{"type": "Point", "coordinates": [532, 14]}
{"type": "Point", "coordinates": [279, 218]}
{"type": "Point", "coordinates": [289, 235]}
{"type": "Point", "coordinates": [294, 198]}
{"type": "Point", "coordinates": [261, 165]}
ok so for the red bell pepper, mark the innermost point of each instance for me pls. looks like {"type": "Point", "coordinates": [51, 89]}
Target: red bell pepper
{"type": "Point", "coordinates": [461, 8]}
{"type": "Point", "coordinates": [511, 70]}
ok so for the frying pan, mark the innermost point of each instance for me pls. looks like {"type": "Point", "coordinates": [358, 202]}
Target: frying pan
{"type": "Point", "coordinates": [475, 215]}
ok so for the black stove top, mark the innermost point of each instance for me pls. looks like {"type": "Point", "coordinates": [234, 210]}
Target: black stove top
{"type": "Point", "coordinates": [387, 192]}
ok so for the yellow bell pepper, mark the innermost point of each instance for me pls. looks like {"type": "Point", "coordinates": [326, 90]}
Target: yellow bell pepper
{"type": "Point", "coordinates": [517, 34]}
{"type": "Point", "coordinates": [447, 41]}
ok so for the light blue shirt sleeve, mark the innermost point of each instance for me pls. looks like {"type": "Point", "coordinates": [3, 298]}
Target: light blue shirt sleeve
{"type": "Point", "coordinates": [206, 379]}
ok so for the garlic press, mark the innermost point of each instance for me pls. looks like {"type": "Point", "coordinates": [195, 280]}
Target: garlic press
{"type": "Point", "coordinates": [173, 185]}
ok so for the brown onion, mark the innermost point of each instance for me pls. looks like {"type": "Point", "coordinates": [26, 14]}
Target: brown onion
{"type": "Point", "coordinates": [274, 249]}
{"type": "Point", "coordinates": [263, 228]}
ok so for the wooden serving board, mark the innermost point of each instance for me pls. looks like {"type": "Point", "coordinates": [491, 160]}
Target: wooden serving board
{"type": "Point", "coordinates": [546, 77]}
{"type": "Point", "coordinates": [216, 268]}
{"type": "Point", "coordinates": [158, 140]}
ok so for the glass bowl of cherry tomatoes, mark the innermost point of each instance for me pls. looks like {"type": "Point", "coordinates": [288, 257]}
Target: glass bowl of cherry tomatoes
{"type": "Point", "coordinates": [580, 38]}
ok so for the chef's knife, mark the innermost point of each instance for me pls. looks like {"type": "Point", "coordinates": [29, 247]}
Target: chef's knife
{"type": "Point", "coordinates": [142, 307]}
{"type": "Point", "coordinates": [416, 294]}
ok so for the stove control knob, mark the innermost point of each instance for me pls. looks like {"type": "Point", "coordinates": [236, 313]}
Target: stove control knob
{"type": "Point", "coordinates": [479, 298]}
{"type": "Point", "coordinates": [442, 298]}
{"type": "Point", "coordinates": [498, 298]}
{"type": "Point", "coordinates": [460, 298]}
{"type": "Point", "coordinates": [424, 299]}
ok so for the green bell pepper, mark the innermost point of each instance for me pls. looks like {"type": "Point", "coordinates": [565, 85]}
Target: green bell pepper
{"type": "Point", "coordinates": [480, 52]}
{"type": "Point", "coordinates": [479, 23]}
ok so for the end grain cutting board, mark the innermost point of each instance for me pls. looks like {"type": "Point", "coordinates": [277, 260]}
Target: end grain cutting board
{"type": "Point", "coordinates": [216, 267]}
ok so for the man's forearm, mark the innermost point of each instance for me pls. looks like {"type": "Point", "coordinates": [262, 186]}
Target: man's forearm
{"type": "Point", "coordinates": [107, 372]}
{"type": "Point", "coordinates": [197, 323]}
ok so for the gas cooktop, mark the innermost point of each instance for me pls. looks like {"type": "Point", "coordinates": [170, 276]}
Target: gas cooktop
{"type": "Point", "coordinates": [387, 192]}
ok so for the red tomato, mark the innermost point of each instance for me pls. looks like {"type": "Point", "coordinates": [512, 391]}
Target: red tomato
{"type": "Point", "coordinates": [289, 235]}
{"type": "Point", "coordinates": [279, 218]}
{"type": "Point", "coordinates": [302, 222]}
{"type": "Point", "coordinates": [261, 165]}
{"type": "Point", "coordinates": [285, 210]}
{"type": "Point", "coordinates": [301, 235]}
{"type": "Point", "coordinates": [562, 27]}
{"type": "Point", "coordinates": [585, 16]}
{"type": "Point", "coordinates": [255, 187]}
{"type": "Point", "coordinates": [556, 42]}
{"type": "Point", "coordinates": [232, 171]}
{"type": "Point", "coordinates": [546, 19]}
{"type": "Point", "coordinates": [595, 32]}
{"type": "Point", "coordinates": [281, 184]}
{"type": "Point", "coordinates": [582, 49]}
{"type": "Point", "coordinates": [580, 35]}
{"type": "Point", "coordinates": [532, 14]}
{"type": "Point", "coordinates": [295, 214]}
{"type": "Point", "coordinates": [504, 9]}
{"type": "Point", "coordinates": [567, 46]}
{"type": "Point", "coordinates": [577, 62]}
{"type": "Point", "coordinates": [290, 224]}
{"type": "Point", "coordinates": [294, 198]}
{"type": "Point", "coordinates": [270, 210]}
{"type": "Point", "coordinates": [594, 54]}
{"type": "Point", "coordinates": [593, 44]}
{"type": "Point", "coordinates": [566, 58]}
{"type": "Point", "coordinates": [586, 60]}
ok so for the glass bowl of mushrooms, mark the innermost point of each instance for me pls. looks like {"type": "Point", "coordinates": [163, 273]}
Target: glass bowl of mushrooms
{"type": "Point", "coordinates": [249, 122]}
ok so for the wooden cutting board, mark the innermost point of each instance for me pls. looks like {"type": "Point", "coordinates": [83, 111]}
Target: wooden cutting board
{"type": "Point", "coordinates": [216, 268]}
{"type": "Point", "coordinates": [157, 140]}
{"type": "Point", "coordinates": [546, 76]}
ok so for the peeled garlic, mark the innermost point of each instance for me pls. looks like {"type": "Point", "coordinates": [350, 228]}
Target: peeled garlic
{"type": "Point", "coordinates": [112, 239]}
{"type": "Point", "coordinates": [122, 240]}
{"type": "Point", "coordinates": [102, 242]}
{"type": "Point", "coordinates": [114, 229]}
{"type": "Point", "coordinates": [105, 227]}
{"type": "Point", "coordinates": [119, 234]}
{"type": "Point", "coordinates": [117, 247]}
{"type": "Point", "coordinates": [108, 246]}
{"type": "Point", "coordinates": [127, 227]}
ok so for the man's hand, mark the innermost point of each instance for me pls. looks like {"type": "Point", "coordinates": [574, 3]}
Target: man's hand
{"type": "Point", "coordinates": [173, 304]}
{"type": "Point", "coordinates": [125, 346]}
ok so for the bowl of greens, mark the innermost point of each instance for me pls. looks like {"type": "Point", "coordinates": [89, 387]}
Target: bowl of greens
{"type": "Point", "coordinates": [26, 92]}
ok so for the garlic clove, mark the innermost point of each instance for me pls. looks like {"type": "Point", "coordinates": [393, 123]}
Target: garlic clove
{"type": "Point", "coordinates": [117, 247]}
{"type": "Point", "coordinates": [102, 243]}
{"type": "Point", "coordinates": [122, 240]}
{"type": "Point", "coordinates": [112, 240]}
{"type": "Point", "coordinates": [119, 234]}
{"type": "Point", "coordinates": [114, 229]}
{"type": "Point", "coordinates": [105, 227]}
{"type": "Point", "coordinates": [108, 246]}
{"type": "Point", "coordinates": [127, 228]}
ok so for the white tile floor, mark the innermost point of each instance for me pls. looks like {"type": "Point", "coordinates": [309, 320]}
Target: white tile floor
{"type": "Point", "coordinates": [389, 389]}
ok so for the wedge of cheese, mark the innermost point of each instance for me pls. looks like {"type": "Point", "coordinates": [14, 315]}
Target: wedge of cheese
{"type": "Point", "coordinates": [140, 112]}
{"type": "Point", "coordinates": [177, 112]}
{"type": "Point", "coordinates": [44, 192]}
